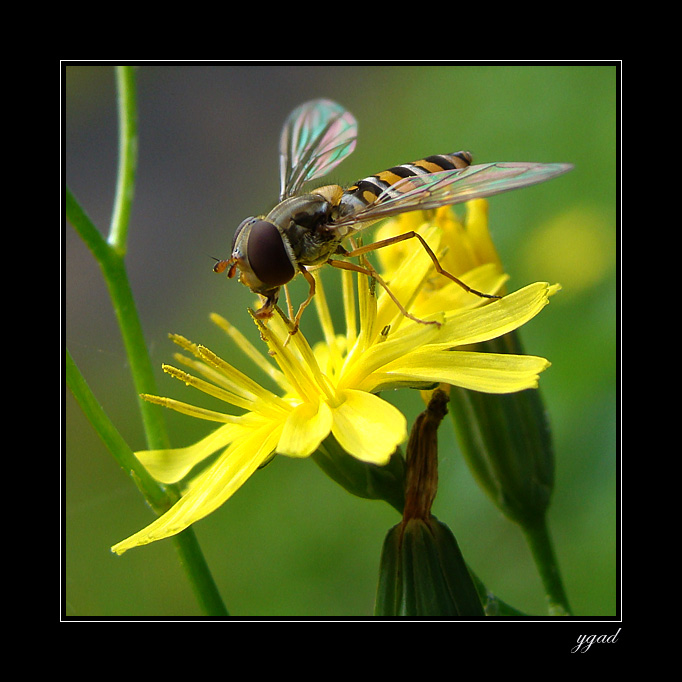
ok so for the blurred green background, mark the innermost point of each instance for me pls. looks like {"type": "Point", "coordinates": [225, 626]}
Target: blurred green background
{"type": "Point", "coordinates": [291, 542]}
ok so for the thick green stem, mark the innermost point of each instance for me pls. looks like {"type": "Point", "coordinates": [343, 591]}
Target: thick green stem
{"type": "Point", "coordinates": [540, 543]}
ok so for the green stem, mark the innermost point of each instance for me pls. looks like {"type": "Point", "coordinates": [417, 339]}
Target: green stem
{"type": "Point", "coordinates": [115, 276]}
{"type": "Point", "coordinates": [155, 494]}
{"type": "Point", "coordinates": [127, 150]}
{"type": "Point", "coordinates": [159, 497]}
{"type": "Point", "coordinates": [194, 562]}
{"type": "Point", "coordinates": [110, 257]}
{"type": "Point", "coordinates": [540, 543]}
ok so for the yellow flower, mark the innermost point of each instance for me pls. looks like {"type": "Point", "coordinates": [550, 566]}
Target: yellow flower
{"type": "Point", "coordinates": [331, 389]}
{"type": "Point", "coordinates": [464, 249]}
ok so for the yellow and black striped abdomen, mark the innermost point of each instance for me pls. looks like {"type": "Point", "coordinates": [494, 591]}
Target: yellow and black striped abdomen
{"type": "Point", "coordinates": [368, 189]}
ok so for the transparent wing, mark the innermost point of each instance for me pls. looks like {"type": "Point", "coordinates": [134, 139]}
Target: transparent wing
{"type": "Point", "coordinates": [316, 137]}
{"type": "Point", "coordinates": [442, 188]}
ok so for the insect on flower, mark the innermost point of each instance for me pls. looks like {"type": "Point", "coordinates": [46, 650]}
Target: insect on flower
{"type": "Point", "coordinates": [307, 229]}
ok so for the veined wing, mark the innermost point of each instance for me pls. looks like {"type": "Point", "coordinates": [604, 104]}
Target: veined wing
{"type": "Point", "coordinates": [316, 137]}
{"type": "Point", "coordinates": [442, 188]}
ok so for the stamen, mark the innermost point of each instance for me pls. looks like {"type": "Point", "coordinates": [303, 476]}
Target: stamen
{"type": "Point", "coordinates": [349, 307]}
{"type": "Point", "coordinates": [251, 351]}
{"type": "Point", "coordinates": [300, 381]}
{"type": "Point", "coordinates": [192, 410]}
{"type": "Point", "coordinates": [241, 383]}
{"type": "Point", "coordinates": [323, 312]}
{"type": "Point", "coordinates": [210, 389]}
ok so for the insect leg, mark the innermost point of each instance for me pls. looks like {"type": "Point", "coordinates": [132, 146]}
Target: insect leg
{"type": "Point", "coordinates": [311, 282]}
{"type": "Point", "coordinates": [290, 307]}
{"type": "Point", "coordinates": [411, 235]}
{"type": "Point", "coordinates": [371, 272]}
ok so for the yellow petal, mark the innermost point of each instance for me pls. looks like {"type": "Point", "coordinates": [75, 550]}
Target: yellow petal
{"type": "Point", "coordinates": [396, 346]}
{"type": "Point", "coordinates": [409, 277]}
{"type": "Point", "coordinates": [306, 427]}
{"type": "Point", "coordinates": [171, 465]}
{"type": "Point", "coordinates": [496, 318]}
{"type": "Point", "coordinates": [211, 488]}
{"type": "Point", "coordinates": [367, 427]}
{"type": "Point", "coordinates": [449, 295]}
{"type": "Point", "coordinates": [486, 372]}
{"type": "Point", "coordinates": [477, 229]}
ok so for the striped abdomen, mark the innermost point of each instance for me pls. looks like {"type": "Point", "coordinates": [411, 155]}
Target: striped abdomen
{"type": "Point", "coordinates": [368, 189]}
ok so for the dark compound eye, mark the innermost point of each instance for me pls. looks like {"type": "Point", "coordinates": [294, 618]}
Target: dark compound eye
{"type": "Point", "coordinates": [239, 230]}
{"type": "Point", "coordinates": [267, 255]}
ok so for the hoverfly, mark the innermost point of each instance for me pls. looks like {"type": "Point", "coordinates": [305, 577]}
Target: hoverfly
{"type": "Point", "coordinates": [307, 229]}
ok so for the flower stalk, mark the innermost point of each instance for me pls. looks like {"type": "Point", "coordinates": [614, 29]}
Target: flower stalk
{"type": "Point", "coordinates": [422, 571]}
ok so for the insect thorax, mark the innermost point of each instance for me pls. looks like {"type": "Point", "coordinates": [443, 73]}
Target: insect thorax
{"type": "Point", "coordinates": [303, 222]}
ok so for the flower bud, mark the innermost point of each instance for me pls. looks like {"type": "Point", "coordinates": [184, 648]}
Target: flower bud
{"type": "Point", "coordinates": [423, 574]}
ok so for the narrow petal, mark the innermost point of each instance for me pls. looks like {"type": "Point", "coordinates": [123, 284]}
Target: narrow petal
{"type": "Point", "coordinates": [479, 233]}
{"type": "Point", "coordinates": [211, 489]}
{"type": "Point", "coordinates": [368, 427]}
{"type": "Point", "coordinates": [306, 427]}
{"type": "Point", "coordinates": [487, 278]}
{"type": "Point", "coordinates": [486, 372]}
{"type": "Point", "coordinates": [169, 466]}
{"type": "Point", "coordinates": [396, 346]}
{"type": "Point", "coordinates": [496, 318]}
{"type": "Point", "coordinates": [191, 410]}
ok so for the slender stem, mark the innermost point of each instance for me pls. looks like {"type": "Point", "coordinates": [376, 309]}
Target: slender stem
{"type": "Point", "coordinates": [155, 494]}
{"type": "Point", "coordinates": [114, 272]}
{"type": "Point", "coordinates": [540, 543]}
{"type": "Point", "coordinates": [110, 257]}
{"type": "Point", "coordinates": [159, 497]}
{"type": "Point", "coordinates": [205, 589]}
{"type": "Point", "coordinates": [127, 150]}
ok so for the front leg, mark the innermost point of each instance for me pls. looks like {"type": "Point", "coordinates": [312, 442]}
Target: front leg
{"type": "Point", "coordinates": [266, 311]}
{"type": "Point", "coordinates": [311, 282]}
